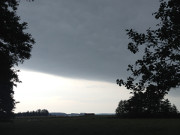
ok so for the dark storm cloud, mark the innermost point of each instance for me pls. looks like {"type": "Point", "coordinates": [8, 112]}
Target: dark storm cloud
{"type": "Point", "coordinates": [84, 38]}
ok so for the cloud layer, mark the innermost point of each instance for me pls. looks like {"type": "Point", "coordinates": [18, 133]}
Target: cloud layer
{"type": "Point", "coordinates": [85, 38]}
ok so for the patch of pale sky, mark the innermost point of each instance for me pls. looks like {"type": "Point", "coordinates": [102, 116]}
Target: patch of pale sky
{"type": "Point", "coordinates": [60, 94]}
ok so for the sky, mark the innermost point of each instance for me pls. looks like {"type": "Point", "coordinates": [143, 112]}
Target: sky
{"type": "Point", "coordinates": [80, 51]}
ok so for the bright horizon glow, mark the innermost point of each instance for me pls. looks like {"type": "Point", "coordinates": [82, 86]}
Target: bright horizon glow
{"type": "Point", "coordinates": [60, 94]}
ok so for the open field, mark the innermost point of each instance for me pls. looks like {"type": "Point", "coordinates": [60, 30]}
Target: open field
{"type": "Point", "coordinates": [94, 125]}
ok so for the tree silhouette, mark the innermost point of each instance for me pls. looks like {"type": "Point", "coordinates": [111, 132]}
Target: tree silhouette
{"type": "Point", "coordinates": [122, 108]}
{"type": "Point", "coordinates": [15, 47]}
{"type": "Point", "coordinates": [159, 69]}
{"type": "Point", "coordinates": [135, 107]}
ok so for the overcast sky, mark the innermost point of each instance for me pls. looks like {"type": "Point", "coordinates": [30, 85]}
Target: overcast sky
{"type": "Point", "coordinates": [84, 39]}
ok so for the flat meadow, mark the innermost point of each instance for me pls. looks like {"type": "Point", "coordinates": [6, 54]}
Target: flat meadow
{"type": "Point", "coordinates": [89, 125]}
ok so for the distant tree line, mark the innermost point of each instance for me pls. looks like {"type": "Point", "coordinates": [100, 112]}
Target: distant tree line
{"type": "Point", "coordinates": [39, 112]}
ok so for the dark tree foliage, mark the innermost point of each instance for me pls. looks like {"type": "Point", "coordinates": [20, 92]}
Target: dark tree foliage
{"type": "Point", "coordinates": [121, 109]}
{"type": "Point", "coordinates": [15, 47]}
{"type": "Point", "coordinates": [136, 108]}
{"type": "Point", "coordinates": [159, 69]}
{"type": "Point", "coordinates": [39, 112]}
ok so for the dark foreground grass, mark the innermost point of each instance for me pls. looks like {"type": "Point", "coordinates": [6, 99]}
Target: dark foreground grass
{"type": "Point", "coordinates": [95, 125]}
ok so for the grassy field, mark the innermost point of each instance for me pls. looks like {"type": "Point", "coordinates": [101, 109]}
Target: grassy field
{"type": "Point", "coordinates": [95, 125]}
